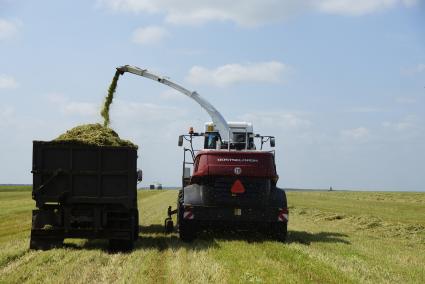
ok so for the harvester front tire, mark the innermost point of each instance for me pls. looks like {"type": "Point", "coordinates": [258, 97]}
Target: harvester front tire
{"type": "Point", "coordinates": [186, 232]}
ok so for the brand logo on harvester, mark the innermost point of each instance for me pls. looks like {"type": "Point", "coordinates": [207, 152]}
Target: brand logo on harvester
{"type": "Point", "coordinates": [237, 171]}
{"type": "Point", "coordinates": [237, 160]}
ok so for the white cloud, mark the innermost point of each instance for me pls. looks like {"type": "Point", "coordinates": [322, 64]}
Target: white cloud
{"type": "Point", "coordinates": [73, 108]}
{"type": "Point", "coordinates": [149, 35]}
{"type": "Point", "coordinates": [122, 112]}
{"type": "Point", "coordinates": [56, 98]}
{"type": "Point", "coordinates": [8, 29]}
{"type": "Point", "coordinates": [243, 12]}
{"type": "Point", "coordinates": [235, 73]}
{"type": "Point", "coordinates": [407, 123]}
{"type": "Point", "coordinates": [420, 68]}
{"type": "Point", "coordinates": [6, 115]}
{"type": "Point", "coordinates": [81, 108]}
{"type": "Point", "coordinates": [359, 7]}
{"type": "Point", "coordinates": [359, 133]}
{"type": "Point", "coordinates": [135, 111]}
{"type": "Point", "coordinates": [171, 94]}
{"type": "Point", "coordinates": [413, 70]}
{"type": "Point", "coordinates": [365, 109]}
{"type": "Point", "coordinates": [283, 120]}
{"type": "Point", "coordinates": [410, 3]}
{"type": "Point", "coordinates": [247, 12]}
{"type": "Point", "coordinates": [144, 121]}
{"type": "Point", "coordinates": [7, 82]}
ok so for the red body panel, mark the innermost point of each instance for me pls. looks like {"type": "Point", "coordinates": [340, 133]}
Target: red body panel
{"type": "Point", "coordinates": [235, 163]}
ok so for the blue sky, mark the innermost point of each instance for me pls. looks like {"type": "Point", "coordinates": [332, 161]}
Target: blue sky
{"type": "Point", "coordinates": [340, 83]}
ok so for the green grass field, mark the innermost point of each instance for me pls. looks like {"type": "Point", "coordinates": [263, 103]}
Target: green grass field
{"type": "Point", "coordinates": [334, 237]}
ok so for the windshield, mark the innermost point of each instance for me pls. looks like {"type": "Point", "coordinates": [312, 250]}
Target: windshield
{"type": "Point", "coordinates": [239, 141]}
{"type": "Point", "coordinates": [211, 139]}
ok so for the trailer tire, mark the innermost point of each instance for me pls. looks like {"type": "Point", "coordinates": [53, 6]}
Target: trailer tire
{"type": "Point", "coordinates": [45, 243]}
{"type": "Point", "coordinates": [121, 245]}
{"type": "Point", "coordinates": [136, 225]}
{"type": "Point", "coordinates": [280, 231]}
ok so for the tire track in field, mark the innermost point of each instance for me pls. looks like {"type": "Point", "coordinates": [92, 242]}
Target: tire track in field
{"type": "Point", "coordinates": [111, 272]}
{"type": "Point", "coordinates": [174, 261]}
{"type": "Point", "coordinates": [152, 243]}
{"type": "Point", "coordinates": [14, 265]}
{"type": "Point", "coordinates": [13, 254]}
{"type": "Point", "coordinates": [195, 266]}
{"type": "Point", "coordinates": [157, 271]}
{"type": "Point", "coordinates": [152, 214]}
{"type": "Point", "coordinates": [11, 251]}
{"type": "Point", "coordinates": [48, 267]}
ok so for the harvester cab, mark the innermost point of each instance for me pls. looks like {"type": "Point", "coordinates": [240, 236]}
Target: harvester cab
{"type": "Point", "coordinates": [241, 136]}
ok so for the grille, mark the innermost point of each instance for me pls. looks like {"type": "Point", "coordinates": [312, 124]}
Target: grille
{"type": "Point", "coordinates": [257, 191]}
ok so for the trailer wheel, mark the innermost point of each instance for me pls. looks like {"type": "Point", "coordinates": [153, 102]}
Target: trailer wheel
{"type": "Point", "coordinates": [121, 245]}
{"type": "Point", "coordinates": [136, 224]}
{"type": "Point", "coordinates": [45, 243]}
{"type": "Point", "coordinates": [280, 231]}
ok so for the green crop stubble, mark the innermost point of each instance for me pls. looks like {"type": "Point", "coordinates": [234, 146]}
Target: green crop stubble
{"type": "Point", "coordinates": [108, 100]}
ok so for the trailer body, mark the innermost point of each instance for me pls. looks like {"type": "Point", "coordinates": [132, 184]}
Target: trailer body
{"type": "Point", "coordinates": [83, 191]}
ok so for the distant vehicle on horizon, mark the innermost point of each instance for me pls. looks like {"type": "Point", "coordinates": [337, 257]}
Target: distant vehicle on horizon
{"type": "Point", "coordinates": [155, 185]}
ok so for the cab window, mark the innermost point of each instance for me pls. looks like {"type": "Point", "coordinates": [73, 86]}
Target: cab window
{"type": "Point", "coordinates": [211, 139]}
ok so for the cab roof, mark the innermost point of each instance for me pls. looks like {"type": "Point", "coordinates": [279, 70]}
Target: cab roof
{"type": "Point", "coordinates": [236, 126]}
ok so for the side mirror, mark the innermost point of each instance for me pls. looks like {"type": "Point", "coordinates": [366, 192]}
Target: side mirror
{"type": "Point", "coordinates": [139, 175]}
{"type": "Point", "coordinates": [180, 140]}
{"type": "Point", "coordinates": [272, 142]}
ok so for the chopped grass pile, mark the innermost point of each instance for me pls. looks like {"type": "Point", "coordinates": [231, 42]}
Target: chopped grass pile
{"type": "Point", "coordinates": [108, 100]}
{"type": "Point", "coordinates": [93, 134]}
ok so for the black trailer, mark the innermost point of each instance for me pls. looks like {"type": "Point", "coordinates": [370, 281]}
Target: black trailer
{"type": "Point", "coordinates": [84, 191]}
